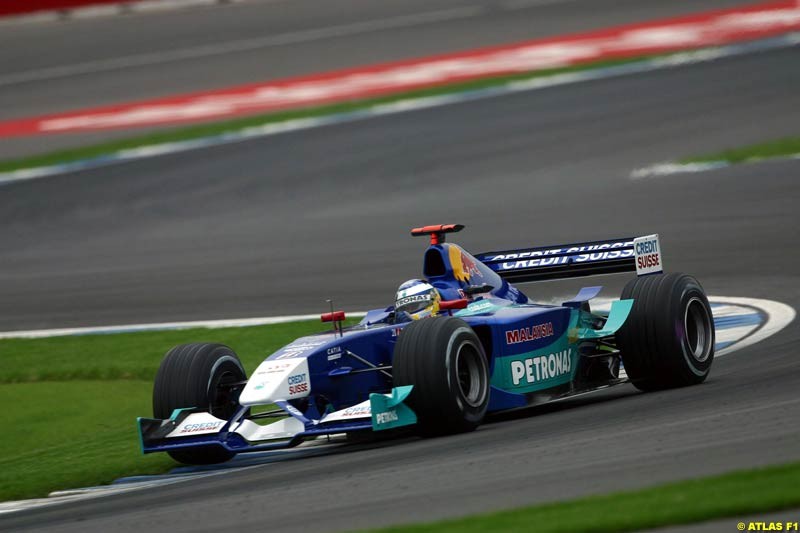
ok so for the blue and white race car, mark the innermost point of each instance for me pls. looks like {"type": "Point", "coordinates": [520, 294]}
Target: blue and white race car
{"type": "Point", "coordinates": [458, 344]}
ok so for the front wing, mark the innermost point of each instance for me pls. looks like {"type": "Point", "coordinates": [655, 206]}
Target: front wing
{"type": "Point", "coordinates": [187, 428]}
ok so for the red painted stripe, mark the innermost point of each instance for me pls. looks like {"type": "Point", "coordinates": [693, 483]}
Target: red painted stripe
{"type": "Point", "coordinates": [19, 7]}
{"type": "Point", "coordinates": [670, 35]}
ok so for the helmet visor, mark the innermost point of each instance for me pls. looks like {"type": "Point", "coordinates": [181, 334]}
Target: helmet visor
{"type": "Point", "coordinates": [414, 303]}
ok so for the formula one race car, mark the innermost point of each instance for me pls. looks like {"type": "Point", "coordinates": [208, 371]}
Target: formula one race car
{"type": "Point", "coordinates": [455, 346]}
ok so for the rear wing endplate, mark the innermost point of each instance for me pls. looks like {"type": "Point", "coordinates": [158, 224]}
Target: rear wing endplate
{"type": "Point", "coordinates": [641, 254]}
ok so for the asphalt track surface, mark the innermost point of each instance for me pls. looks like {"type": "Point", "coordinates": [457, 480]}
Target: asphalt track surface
{"type": "Point", "coordinates": [278, 224]}
{"type": "Point", "coordinates": [53, 67]}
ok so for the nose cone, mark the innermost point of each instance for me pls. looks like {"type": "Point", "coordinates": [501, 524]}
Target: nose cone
{"type": "Point", "coordinates": [277, 379]}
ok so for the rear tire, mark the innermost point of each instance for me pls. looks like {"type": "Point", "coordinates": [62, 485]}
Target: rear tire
{"type": "Point", "coordinates": [668, 339]}
{"type": "Point", "coordinates": [190, 375]}
{"type": "Point", "coordinates": [444, 360]}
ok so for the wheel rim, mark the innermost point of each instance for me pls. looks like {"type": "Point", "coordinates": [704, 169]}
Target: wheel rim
{"type": "Point", "coordinates": [697, 325]}
{"type": "Point", "coordinates": [223, 403]}
{"type": "Point", "coordinates": [470, 368]}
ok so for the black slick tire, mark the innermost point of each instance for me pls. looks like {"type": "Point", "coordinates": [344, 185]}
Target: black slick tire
{"type": "Point", "coordinates": [668, 339]}
{"type": "Point", "coordinates": [444, 360]}
{"type": "Point", "coordinates": [195, 376]}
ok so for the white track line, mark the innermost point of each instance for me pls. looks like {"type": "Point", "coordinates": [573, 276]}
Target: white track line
{"type": "Point", "coordinates": [734, 334]}
{"type": "Point", "coordinates": [668, 169]}
{"type": "Point", "coordinates": [779, 315]}
{"type": "Point", "coordinates": [164, 326]}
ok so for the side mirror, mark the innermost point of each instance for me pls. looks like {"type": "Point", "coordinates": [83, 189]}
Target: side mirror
{"type": "Point", "coordinates": [477, 289]}
{"type": "Point", "coordinates": [335, 316]}
{"type": "Point", "coordinates": [449, 305]}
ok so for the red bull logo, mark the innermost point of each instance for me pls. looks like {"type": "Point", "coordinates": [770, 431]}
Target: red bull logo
{"type": "Point", "coordinates": [469, 265]}
{"type": "Point", "coordinates": [464, 266]}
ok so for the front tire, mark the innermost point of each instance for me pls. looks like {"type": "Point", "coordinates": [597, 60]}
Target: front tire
{"type": "Point", "coordinates": [198, 376]}
{"type": "Point", "coordinates": [668, 339]}
{"type": "Point", "coordinates": [444, 360]}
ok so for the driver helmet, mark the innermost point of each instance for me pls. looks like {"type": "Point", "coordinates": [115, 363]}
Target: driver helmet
{"type": "Point", "coordinates": [418, 298]}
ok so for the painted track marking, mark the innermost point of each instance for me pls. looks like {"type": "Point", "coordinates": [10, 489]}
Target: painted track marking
{"type": "Point", "coordinates": [402, 106]}
{"type": "Point", "coordinates": [164, 326]}
{"type": "Point", "coordinates": [669, 169]}
{"type": "Point", "coordinates": [680, 34]}
{"type": "Point", "coordinates": [778, 316]}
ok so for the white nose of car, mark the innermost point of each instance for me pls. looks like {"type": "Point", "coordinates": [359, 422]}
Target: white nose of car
{"type": "Point", "coordinates": [277, 379]}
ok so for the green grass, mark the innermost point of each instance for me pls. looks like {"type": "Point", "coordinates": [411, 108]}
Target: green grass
{"type": "Point", "coordinates": [73, 434]}
{"type": "Point", "coordinates": [219, 128]}
{"type": "Point", "coordinates": [786, 147]}
{"type": "Point", "coordinates": [70, 403]}
{"type": "Point", "coordinates": [735, 494]}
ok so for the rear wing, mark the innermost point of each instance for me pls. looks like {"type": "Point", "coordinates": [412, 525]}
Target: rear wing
{"type": "Point", "coordinates": [641, 254]}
